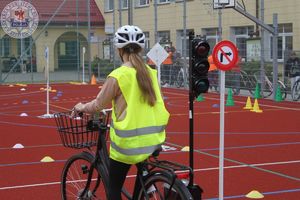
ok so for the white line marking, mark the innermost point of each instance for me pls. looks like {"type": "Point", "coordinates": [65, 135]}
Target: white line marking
{"type": "Point", "coordinates": [132, 176]}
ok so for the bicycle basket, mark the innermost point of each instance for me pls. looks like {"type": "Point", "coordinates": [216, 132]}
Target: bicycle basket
{"type": "Point", "coordinates": [75, 131]}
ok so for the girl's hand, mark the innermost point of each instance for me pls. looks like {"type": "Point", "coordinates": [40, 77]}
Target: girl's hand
{"type": "Point", "coordinates": [79, 107]}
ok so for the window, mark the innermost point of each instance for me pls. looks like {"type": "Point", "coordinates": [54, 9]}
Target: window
{"type": "Point", "coordinates": [180, 42]}
{"type": "Point", "coordinates": [109, 5]}
{"type": "Point", "coordinates": [285, 40]}
{"type": "Point", "coordinates": [163, 1]}
{"type": "Point", "coordinates": [124, 4]}
{"type": "Point", "coordinates": [71, 49]}
{"type": "Point", "coordinates": [26, 43]}
{"type": "Point", "coordinates": [140, 3]}
{"type": "Point", "coordinates": [241, 34]}
{"type": "Point", "coordinates": [5, 46]}
{"type": "Point", "coordinates": [211, 37]}
{"type": "Point", "coordinates": [163, 37]}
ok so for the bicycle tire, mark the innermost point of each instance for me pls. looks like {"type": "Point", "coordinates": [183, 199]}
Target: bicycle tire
{"type": "Point", "coordinates": [179, 79]}
{"type": "Point", "coordinates": [74, 179]}
{"type": "Point", "coordinates": [247, 83]}
{"type": "Point", "coordinates": [282, 89]}
{"type": "Point", "coordinates": [157, 185]}
{"type": "Point", "coordinates": [296, 91]}
{"type": "Point", "coordinates": [268, 90]}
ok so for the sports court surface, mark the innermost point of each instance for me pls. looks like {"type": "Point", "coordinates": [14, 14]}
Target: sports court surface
{"type": "Point", "coordinates": [262, 150]}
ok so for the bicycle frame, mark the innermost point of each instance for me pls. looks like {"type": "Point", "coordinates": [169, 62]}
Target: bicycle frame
{"type": "Point", "coordinates": [151, 166]}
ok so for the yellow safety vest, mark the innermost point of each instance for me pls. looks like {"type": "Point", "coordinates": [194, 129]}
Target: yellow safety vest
{"type": "Point", "coordinates": [142, 131]}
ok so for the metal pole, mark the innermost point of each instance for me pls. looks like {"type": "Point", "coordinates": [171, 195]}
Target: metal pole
{"type": "Point", "coordinates": [275, 55]}
{"type": "Point", "coordinates": [155, 21]}
{"type": "Point", "coordinates": [120, 13]}
{"type": "Point", "coordinates": [83, 52]}
{"type": "Point", "coordinates": [129, 12]}
{"type": "Point", "coordinates": [114, 30]}
{"type": "Point", "coordinates": [31, 66]}
{"type": "Point", "coordinates": [184, 41]}
{"type": "Point", "coordinates": [89, 37]}
{"type": "Point", "coordinates": [262, 47]}
{"type": "Point", "coordinates": [219, 40]}
{"type": "Point", "coordinates": [77, 39]}
{"type": "Point", "coordinates": [191, 110]}
{"type": "Point", "coordinates": [222, 110]}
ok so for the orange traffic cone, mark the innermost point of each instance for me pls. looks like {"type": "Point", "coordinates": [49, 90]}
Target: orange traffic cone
{"type": "Point", "coordinates": [93, 80]}
{"type": "Point", "coordinates": [248, 104]}
{"type": "Point", "coordinates": [256, 107]}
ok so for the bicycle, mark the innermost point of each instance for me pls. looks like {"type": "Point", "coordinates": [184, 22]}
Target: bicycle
{"type": "Point", "coordinates": [269, 89]}
{"type": "Point", "coordinates": [295, 70]}
{"type": "Point", "coordinates": [296, 91]}
{"type": "Point", "coordinates": [182, 77]}
{"type": "Point", "coordinates": [85, 175]}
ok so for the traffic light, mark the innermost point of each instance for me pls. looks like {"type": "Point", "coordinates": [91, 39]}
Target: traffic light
{"type": "Point", "coordinates": [200, 66]}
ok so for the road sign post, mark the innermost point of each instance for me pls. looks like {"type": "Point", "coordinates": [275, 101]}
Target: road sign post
{"type": "Point", "coordinates": [225, 57]}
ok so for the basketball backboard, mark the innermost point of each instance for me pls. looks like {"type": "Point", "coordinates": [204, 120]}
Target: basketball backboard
{"type": "Point", "coordinates": [218, 4]}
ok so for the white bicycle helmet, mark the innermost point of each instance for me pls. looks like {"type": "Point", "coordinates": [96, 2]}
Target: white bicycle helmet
{"type": "Point", "coordinates": [129, 35]}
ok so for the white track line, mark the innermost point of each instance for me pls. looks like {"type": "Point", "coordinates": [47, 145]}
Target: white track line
{"type": "Point", "coordinates": [132, 176]}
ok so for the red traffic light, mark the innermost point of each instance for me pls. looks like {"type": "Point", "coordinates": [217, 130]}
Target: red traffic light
{"type": "Point", "coordinates": [202, 48]}
{"type": "Point", "coordinates": [199, 66]}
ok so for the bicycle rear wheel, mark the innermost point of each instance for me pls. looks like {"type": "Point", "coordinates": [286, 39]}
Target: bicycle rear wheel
{"type": "Point", "coordinates": [179, 79]}
{"type": "Point", "coordinates": [159, 186]}
{"type": "Point", "coordinates": [75, 175]}
{"type": "Point", "coordinates": [296, 91]}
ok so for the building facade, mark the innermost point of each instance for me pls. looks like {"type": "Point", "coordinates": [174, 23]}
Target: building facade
{"type": "Point", "coordinates": [204, 20]}
{"type": "Point", "coordinates": [67, 28]}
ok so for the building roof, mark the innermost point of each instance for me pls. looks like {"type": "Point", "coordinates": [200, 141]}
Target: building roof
{"type": "Point", "coordinates": [67, 15]}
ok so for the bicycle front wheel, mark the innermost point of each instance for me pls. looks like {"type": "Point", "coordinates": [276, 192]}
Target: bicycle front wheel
{"type": "Point", "coordinates": [159, 186]}
{"type": "Point", "coordinates": [75, 175]}
{"type": "Point", "coordinates": [296, 91]}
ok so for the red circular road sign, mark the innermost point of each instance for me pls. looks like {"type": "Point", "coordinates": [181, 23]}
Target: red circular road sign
{"type": "Point", "coordinates": [225, 55]}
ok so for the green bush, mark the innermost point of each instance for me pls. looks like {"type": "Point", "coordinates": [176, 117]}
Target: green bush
{"type": "Point", "coordinates": [254, 66]}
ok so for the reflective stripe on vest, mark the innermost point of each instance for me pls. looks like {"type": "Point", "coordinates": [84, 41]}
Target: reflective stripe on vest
{"type": "Point", "coordinates": [136, 151]}
{"type": "Point", "coordinates": [138, 131]}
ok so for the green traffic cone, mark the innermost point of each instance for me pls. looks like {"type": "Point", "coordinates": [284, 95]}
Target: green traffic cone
{"type": "Point", "coordinates": [257, 94]}
{"type": "Point", "coordinates": [200, 98]}
{"type": "Point", "coordinates": [229, 101]}
{"type": "Point", "coordinates": [278, 96]}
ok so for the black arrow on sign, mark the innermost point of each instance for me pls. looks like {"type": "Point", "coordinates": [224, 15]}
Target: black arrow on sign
{"type": "Point", "coordinates": [221, 56]}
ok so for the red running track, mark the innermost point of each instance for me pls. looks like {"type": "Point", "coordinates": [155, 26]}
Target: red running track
{"type": "Point", "coordinates": [262, 150]}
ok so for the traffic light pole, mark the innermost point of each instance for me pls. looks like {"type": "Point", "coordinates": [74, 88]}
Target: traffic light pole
{"type": "Point", "coordinates": [191, 111]}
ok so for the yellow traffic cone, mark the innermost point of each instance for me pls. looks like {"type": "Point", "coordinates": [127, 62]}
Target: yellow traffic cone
{"type": "Point", "coordinates": [93, 80]}
{"type": "Point", "coordinates": [256, 107]}
{"type": "Point", "coordinates": [254, 194]}
{"type": "Point", "coordinates": [248, 104]}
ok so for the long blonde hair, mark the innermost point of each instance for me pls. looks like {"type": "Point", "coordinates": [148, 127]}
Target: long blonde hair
{"type": "Point", "coordinates": [142, 73]}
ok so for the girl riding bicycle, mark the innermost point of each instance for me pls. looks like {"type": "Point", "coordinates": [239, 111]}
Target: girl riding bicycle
{"type": "Point", "coordinates": [139, 116]}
